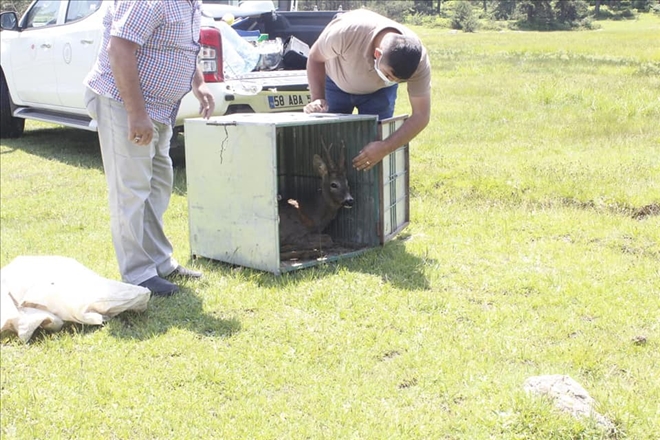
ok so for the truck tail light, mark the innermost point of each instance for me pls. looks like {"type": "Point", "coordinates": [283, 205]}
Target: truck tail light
{"type": "Point", "coordinates": [210, 55]}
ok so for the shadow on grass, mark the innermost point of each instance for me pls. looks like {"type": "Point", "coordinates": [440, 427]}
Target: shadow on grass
{"type": "Point", "coordinates": [183, 311]}
{"type": "Point", "coordinates": [67, 145]}
{"type": "Point", "coordinates": [392, 263]}
{"type": "Point", "coordinates": [70, 146]}
{"type": "Point", "coordinates": [40, 335]}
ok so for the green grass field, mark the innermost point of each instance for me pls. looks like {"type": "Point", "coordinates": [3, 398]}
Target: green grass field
{"type": "Point", "coordinates": [533, 248]}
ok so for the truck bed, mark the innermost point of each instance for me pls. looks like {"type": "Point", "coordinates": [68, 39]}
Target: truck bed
{"type": "Point", "coordinates": [282, 80]}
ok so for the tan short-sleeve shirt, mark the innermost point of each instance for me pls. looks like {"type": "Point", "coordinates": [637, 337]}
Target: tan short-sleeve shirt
{"type": "Point", "coordinates": [346, 44]}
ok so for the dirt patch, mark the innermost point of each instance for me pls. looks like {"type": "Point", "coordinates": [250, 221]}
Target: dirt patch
{"type": "Point", "coordinates": [646, 211]}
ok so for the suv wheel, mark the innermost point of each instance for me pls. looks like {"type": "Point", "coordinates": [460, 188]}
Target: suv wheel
{"type": "Point", "coordinates": [10, 127]}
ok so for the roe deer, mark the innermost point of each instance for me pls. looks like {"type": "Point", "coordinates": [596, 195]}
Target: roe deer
{"type": "Point", "coordinates": [303, 221]}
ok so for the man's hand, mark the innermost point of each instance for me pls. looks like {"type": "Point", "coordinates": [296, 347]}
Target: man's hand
{"type": "Point", "coordinates": [374, 152]}
{"type": "Point", "coordinates": [206, 100]}
{"type": "Point", "coordinates": [317, 106]}
{"type": "Point", "coordinates": [140, 129]}
{"type": "Point", "coordinates": [203, 94]}
{"type": "Point", "coordinates": [370, 155]}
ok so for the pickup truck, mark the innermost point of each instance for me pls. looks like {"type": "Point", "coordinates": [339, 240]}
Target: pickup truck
{"type": "Point", "coordinates": [48, 51]}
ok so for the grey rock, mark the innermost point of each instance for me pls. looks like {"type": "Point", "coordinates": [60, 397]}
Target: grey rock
{"type": "Point", "coordinates": [568, 395]}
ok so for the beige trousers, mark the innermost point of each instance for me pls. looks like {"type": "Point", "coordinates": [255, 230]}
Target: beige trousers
{"type": "Point", "coordinates": [140, 180]}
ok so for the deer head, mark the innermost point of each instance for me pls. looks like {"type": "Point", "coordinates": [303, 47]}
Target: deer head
{"type": "Point", "coordinates": [302, 221]}
{"type": "Point", "coordinates": [334, 184]}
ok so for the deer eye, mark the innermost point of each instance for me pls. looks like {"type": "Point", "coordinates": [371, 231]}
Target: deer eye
{"type": "Point", "coordinates": [334, 185]}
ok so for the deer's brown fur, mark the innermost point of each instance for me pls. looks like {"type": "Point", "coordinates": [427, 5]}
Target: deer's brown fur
{"type": "Point", "coordinates": [302, 222]}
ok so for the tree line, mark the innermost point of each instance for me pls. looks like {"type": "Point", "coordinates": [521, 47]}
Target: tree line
{"type": "Point", "coordinates": [537, 14]}
{"type": "Point", "coordinates": [464, 14]}
{"type": "Point", "coordinates": [503, 9]}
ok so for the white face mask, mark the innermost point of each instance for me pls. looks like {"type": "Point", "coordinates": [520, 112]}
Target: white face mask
{"type": "Point", "coordinates": [387, 82]}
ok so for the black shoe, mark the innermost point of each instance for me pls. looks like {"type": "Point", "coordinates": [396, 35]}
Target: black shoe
{"type": "Point", "coordinates": [159, 286]}
{"type": "Point", "coordinates": [182, 272]}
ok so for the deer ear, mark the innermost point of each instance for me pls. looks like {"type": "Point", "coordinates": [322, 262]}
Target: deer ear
{"type": "Point", "coordinates": [320, 166]}
{"type": "Point", "coordinates": [342, 158]}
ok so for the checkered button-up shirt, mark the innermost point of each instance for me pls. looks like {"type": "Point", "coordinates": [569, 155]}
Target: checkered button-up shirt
{"type": "Point", "coordinates": [168, 34]}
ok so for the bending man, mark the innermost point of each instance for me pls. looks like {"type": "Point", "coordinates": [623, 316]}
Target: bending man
{"type": "Point", "coordinates": [358, 62]}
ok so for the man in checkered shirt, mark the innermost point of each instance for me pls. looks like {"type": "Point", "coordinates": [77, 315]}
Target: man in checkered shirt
{"type": "Point", "coordinates": [147, 63]}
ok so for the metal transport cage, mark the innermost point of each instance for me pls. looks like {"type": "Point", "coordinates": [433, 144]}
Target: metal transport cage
{"type": "Point", "coordinates": [238, 167]}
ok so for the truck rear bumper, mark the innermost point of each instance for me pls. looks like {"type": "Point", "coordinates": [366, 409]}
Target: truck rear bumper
{"type": "Point", "coordinates": [258, 92]}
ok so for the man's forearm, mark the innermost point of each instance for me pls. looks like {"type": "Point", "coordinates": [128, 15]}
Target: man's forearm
{"type": "Point", "coordinates": [407, 132]}
{"type": "Point", "coordinates": [316, 79]}
{"type": "Point", "coordinates": [198, 77]}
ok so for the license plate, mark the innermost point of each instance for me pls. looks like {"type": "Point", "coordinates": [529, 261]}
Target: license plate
{"type": "Point", "coordinates": [285, 101]}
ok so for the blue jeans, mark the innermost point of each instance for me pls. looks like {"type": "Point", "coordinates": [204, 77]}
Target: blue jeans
{"type": "Point", "coordinates": [381, 102]}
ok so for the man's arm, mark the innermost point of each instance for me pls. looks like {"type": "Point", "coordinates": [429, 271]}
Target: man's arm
{"type": "Point", "coordinates": [375, 151]}
{"type": "Point", "coordinates": [203, 94]}
{"type": "Point", "coordinates": [316, 81]}
{"type": "Point", "coordinates": [123, 61]}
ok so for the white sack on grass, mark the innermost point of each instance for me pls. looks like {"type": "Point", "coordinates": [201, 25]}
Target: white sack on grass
{"type": "Point", "coordinates": [46, 290]}
{"type": "Point", "coordinates": [25, 321]}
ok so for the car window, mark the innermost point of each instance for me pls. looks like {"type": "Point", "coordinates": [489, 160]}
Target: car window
{"type": "Point", "coordinates": [43, 13]}
{"type": "Point", "coordinates": [81, 8]}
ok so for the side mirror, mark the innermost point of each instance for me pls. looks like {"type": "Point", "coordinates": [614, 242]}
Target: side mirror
{"type": "Point", "coordinates": [9, 21]}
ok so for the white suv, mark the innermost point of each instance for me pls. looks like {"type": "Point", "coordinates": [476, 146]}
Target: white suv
{"type": "Point", "coordinates": [46, 54]}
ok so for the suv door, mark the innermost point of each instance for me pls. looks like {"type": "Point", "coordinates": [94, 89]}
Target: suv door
{"type": "Point", "coordinates": [32, 53]}
{"type": "Point", "coordinates": [80, 37]}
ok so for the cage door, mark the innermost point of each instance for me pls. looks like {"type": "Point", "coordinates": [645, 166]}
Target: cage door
{"type": "Point", "coordinates": [395, 178]}
{"type": "Point", "coordinates": [232, 192]}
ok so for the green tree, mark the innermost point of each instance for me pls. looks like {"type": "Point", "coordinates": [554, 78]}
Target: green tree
{"type": "Point", "coordinates": [505, 9]}
{"type": "Point", "coordinates": [614, 4]}
{"type": "Point", "coordinates": [464, 18]}
{"type": "Point", "coordinates": [423, 6]}
{"type": "Point", "coordinates": [325, 5]}
{"type": "Point", "coordinates": [538, 13]}
{"type": "Point", "coordinates": [485, 5]}
{"type": "Point", "coordinates": [643, 5]}
{"type": "Point", "coordinates": [396, 10]}
{"type": "Point", "coordinates": [19, 6]}
{"type": "Point", "coordinates": [597, 7]}
{"type": "Point", "coordinates": [568, 11]}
